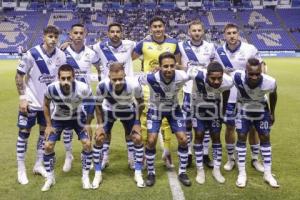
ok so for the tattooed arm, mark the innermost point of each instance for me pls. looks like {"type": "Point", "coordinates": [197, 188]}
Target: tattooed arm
{"type": "Point", "coordinates": [20, 84]}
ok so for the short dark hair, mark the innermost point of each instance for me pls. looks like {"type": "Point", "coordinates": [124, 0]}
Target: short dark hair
{"type": "Point", "coordinates": [214, 67]}
{"type": "Point", "coordinates": [116, 67]}
{"type": "Point", "coordinates": [51, 29]}
{"type": "Point", "coordinates": [164, 56]}
{"type": "Point", "coordinates": [196, 22]}
{"type": "Point", "coordinates": [66, 67]}
{"type": "Point", "coordinates": [155, 19]}
{"type": "Point", "coordinates": [231, 25]}
{"type": "Point", "coordinates": [115, 24]}
{"type": "Point", "coordinates": [253, 62]}
{"type": "Point", "coordinates": [77, 25]}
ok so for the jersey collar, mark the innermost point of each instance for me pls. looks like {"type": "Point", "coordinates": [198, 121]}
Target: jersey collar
{"type": "Point", "coordinates": [110, 44]}
{"type": "Point", "coordinates": [44, 51]}
{"type": "Point", "coordinates": [81, 50]}
{"type": "Point", "coordinates": [234, 50]}
{"type": "Point", "coordinates": [163, 80]}
{"type": "Point", "coordinates": [199, 45]}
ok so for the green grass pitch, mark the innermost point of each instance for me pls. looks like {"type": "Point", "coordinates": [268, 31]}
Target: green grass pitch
{"type": "Point", "coordinates": [118, 179]}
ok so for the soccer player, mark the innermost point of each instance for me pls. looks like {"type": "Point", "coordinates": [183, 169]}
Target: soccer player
{"type": "Point", "coordinates": [67, 95]}
{"type": "Point", "coordinates": [115, 49]}
{"type": "Point", "coordinates": [253, 110]}
{"type": "Point", "coordinates": [208, 86]}
{"type": "Point", "coordinates": [81, 58]}
{"type": "Point", "coordinates": [233, 55]}
{"type": "Point", "coordinates": [150, 48]}
{"type": "Point", "coordinates": [164, 86]}
{"type": "Point", "coordinates": [38, 68]}
{"type": "Point", "coordinates": [195, 51]}
{"type": "Point", "coordinates": [121, 97]}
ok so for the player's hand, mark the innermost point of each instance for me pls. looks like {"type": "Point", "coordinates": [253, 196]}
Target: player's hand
{"type": "Point", "coordinates": [99, 135]}
{"type": "Point", "coordinates": [48, 131]}
{"type": "Point", "coordinates": [272, 116]}
{"type": "Point", "coordinates": [65, 45]}
{"type": "Point", "coordinates": [23, 104]}
{"type": "Point", "coordinates": [88, 129]}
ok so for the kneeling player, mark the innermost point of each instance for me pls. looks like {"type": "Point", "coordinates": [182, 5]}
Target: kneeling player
{"type": "Point", "coordinates": [67, 95]}
{"type": "Point", "coordinates": [116, 97]}
{"type": "Point", "coordinates": [253, 110]}
{"type": "Point", "coordinates": [208, 85]}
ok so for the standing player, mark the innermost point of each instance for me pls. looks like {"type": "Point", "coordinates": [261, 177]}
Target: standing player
{"type": "Point", "coordinates": [233, 55]}
{"type": "Point", "coordinates": [81, 58]}
{"type": "Point", "coordinates": [115, 50]}
{"type": "Point", "coordinates": [150, 48]}
{"type": "Point", "coordinates": [67, 96]}
{"type": "Point", "coordinates": [38, 68]}
{"type": "Point", "coordinates": [121, 97]}
{"type": "Point", "coordinates": [195, 51]}
{"type": "Point", "coordinates": [253, 110]}
{"type": "Point", "coordinates": [164, 87]}
{"type": "Point", "coordinates": [208, 86]}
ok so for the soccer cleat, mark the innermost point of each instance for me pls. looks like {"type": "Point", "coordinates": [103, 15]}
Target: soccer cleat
{"type": "Point", "coordinates": [184, 179]}
{"type": "Point", "coordinates": [229, 165]}
{"type": "Point", "coordinates": [97, 180]}
{"type": "Point", "coordinates": [39, 169]}
{"type": "Point", "coordinates": [139, 179]}
{"type": "Point", "coordinates": [68, 163]}
{"type": "Point", "coordinates": [242, 179]}
{"type": "Point", "coordinates": [86, 182]}
{"type": "Point", "coordinates": [150, 180]}
{"type": "Point", "coordinates": [218, 176]}
{"type": "Point", "coordinates": [271, 180]}
{"type": "Point", "coordinates": [190, 160]}
{"type": "Point", "coordinates": [22, 177]}
{"type": "Point", "coordinates": [168, 161]}
{"type": "Point", "coordinates": [49, 182]}
{"type": "Point", "coordinates": [257, 165]}
{"type": "Point", "coordinates": [200, 178]}
{"type": "Point", "coordinates": [207, 161]}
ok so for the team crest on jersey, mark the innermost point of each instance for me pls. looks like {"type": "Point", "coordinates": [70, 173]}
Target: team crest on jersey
{"type": "Point", "coordinates": [49, 62]}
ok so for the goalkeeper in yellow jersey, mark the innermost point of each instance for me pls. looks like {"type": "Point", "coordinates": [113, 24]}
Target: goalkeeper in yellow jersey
{"type": "Point", "coordinates": [150, 48]}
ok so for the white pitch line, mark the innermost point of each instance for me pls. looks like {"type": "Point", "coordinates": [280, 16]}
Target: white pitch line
{"type": "Point", "coordinates": [176, 190]}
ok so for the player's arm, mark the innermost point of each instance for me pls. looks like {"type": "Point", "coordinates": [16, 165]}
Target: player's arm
{"type": "Point", "coordinates": [179, 65]}
{"type": "Point", "coordinates": [273, 101]}
{"type": "Point", "coordinates": [20, 84]}
{"type": "Point", "coordinates": [225, 96]}
{"type": "Point", "coordinates": [137, 51]}
{"type": "Point", "coordinates": [264, 67]}
{"type": "Point", "coordinates": [26, 62]}
{"type": "Point", "coordinates": [49, 129]}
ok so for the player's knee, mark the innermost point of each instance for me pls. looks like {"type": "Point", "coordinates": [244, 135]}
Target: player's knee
{"type": "Point", "coordinates": [137, 138]}
{"type": "Point", "coordinates": [182, 140]}
{"type": "Point", "coordinates": [215, 137]}
{"type": "Point", "coordinates": [49, 147]}
{"type": "Point", "coordinates": [86, 145]}
{"type": "Point", "coordinates": [229, 129]}
{"type": "Point", "coordinates": [242, 137]}
{"type": "Point", "coordinates": [198, 138]}
{"type": "Point", "coordinates": [264, 138]}
{"type": "Point", "coordinates": [151, 142]}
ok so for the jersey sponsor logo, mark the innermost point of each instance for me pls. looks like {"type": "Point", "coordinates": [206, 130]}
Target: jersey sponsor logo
{"type": "Point", "coordinates": [46, 78]}
{"type": "Point", "coordinates": [153, 63]}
